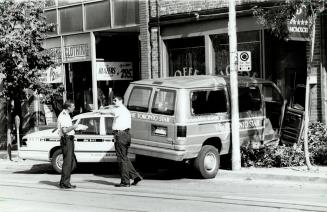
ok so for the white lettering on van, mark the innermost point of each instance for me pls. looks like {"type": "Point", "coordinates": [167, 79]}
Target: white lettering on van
{"type": "Point", "coordinates": [207, 118]}
{"type": "Point", "coordinates": [250, 124]}
{"type": "Point", "coordinates": [151, 117]}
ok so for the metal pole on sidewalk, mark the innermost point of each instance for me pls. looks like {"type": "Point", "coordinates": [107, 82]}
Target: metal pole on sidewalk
{"type": "Point", "coordinates": [17, 123]}
{"type": "Point", "coordinates": [236, 155]}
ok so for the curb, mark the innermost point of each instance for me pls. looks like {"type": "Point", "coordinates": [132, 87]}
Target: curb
{"type": "Point", "coordinates": [294, 176]}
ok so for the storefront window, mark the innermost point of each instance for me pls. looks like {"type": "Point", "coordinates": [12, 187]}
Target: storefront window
{"type": "Point", "coordinates": [71, 19]}
{"type": "Point", "coordinates": [79, 85]}
{"type": "Point", "coordinates": [51, 17]}
{"type": "Point", "coordinates": [246, 41]}
{"type": "Point", "coordinates": [67, 2]}
{"type": "Point", "coordinates": [116, 66]}
{"type": "Point", "coordinates": [50, 3]}
{"type": "Point", "coordinates": [102, 19]}
{"type": "Point", "coordinates": [126, 12]}
{"type": "Point", "coordinates": [186, 56]}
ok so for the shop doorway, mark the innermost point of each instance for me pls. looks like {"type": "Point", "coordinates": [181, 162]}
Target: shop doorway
{"type": "Point", "coordinates": [79, 85]}
{"type": "Point", "coordinates": [286, 64]}
{"type": "Point", "coordinates": [118, 52]}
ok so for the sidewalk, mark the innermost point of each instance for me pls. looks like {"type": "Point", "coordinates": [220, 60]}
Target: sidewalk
{"type": "Point", "coordinates": [296, 174]}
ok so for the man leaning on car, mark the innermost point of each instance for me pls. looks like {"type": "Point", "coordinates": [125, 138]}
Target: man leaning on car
{"type": "Point", "coordinates": [66, 131]}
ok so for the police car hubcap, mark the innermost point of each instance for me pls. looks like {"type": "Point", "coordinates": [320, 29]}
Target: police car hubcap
{"type": "Point", "coordinates": [59, 161]}
{"type": "Point", "coordinates": [210, 161]}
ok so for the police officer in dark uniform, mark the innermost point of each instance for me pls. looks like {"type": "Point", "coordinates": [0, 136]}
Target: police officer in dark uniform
{"type": "Point", "coordinates": [66, 131]}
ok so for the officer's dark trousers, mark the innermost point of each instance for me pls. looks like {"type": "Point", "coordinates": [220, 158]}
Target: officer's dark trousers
{"type": "Point", "coordinates": [122, 143]}
{"type": "Point", "coordinates": [67, 147]}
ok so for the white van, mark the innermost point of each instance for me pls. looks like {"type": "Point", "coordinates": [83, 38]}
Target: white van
{"type": "Point", "coordinates": [189, 118]}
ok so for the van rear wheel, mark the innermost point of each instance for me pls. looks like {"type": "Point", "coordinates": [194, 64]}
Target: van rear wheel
{"type": "Point", "coordinates": [57, 161]}
{"type": "Point", "coordinates": [208, 161]}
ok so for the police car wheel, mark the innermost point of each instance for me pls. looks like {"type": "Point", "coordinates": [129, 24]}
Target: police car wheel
{"type": "Point", "coordinates": [208, 161]}
{"type": "Point", "coordinates": [57, 161]}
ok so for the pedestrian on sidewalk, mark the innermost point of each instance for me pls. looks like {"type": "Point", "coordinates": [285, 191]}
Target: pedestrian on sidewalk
{"type": "Point", "coordinates": [66, 131]}
{"type": "Point", "coordinates": [122, 137]}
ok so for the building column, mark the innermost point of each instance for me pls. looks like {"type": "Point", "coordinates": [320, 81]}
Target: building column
{"type": "Point", "coordinates": [144, 39]}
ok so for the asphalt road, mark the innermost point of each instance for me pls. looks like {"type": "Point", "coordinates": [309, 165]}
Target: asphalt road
{"type": "Point", "coordinates": [36, 189]}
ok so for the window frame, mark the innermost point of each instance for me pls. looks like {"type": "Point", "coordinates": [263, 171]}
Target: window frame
{"type": "Point", "coordinates": [149, 98]}
{"type": "Point", "coordinates": [84, 132]}
{"type": "Point", "coordinates": [154, 101]}
{"type": "Point", "coordinates": [207, 90]}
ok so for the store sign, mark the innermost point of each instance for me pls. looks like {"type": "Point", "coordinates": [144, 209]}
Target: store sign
{"type": "Point", "coordinates": [74, 53]}
{"type": "Point", "coordinates": [55, 54]}
{"type": "Point", "coordinates": [298, 26]}
{"type": "Point", "coordinates": [107, 71]}
{"type": "Point", "coordinates": [52, 75]}
{"type": "Point", "coordinates": [80, 52]}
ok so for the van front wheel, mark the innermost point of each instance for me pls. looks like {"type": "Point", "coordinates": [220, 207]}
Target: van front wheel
{"type": "Point", "coordinates": [208, 161]}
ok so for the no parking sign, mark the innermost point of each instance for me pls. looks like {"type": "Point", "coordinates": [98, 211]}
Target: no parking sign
{"type": "Point", "coordinates": [244, 61]}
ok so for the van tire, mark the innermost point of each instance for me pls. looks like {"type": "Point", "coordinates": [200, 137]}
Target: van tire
{"type": "Point", "coordinates": [57, 161]}
{"type": "Point", "coordinates": [208, 161]}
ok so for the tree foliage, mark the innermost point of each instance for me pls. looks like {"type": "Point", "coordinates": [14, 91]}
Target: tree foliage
{"type": "Point", "coordinates": [276, 17]}
{"type": "Point", "coordinates": [22, 30]}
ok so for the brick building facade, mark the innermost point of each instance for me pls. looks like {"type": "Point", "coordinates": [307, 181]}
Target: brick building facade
{"type": "Point", "coordinates": [172, 22]}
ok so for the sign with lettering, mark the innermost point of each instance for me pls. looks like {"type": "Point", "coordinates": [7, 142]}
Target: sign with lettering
{"type": "Point", "coordinates": [80, 52]}
{"type": "Point", "coordinates": [107, 71]}
{"type": "Point", "coordinates": [244, 61]}
{"type": "Point", "coordinates": [299, 25]}
{"type": "Point", "coordinates": [52, 75]}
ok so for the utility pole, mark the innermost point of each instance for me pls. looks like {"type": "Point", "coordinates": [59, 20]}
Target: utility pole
{"type": "Point", "coordinates": [236, 155]}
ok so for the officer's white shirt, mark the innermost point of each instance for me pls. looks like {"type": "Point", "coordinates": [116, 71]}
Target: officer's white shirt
{"type": "Point", "coordinates": [122, 120]}
{"type": "Point", "coordinates": [64, 120]}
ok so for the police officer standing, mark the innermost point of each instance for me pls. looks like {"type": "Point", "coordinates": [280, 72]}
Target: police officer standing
{"type": "Point", "coordinates": [66, 131]}
{"type": "Point", "coordinates": [121, 130]}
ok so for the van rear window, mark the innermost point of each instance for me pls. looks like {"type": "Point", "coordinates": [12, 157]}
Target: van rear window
{"type": "Point", "coordinates": [139, 99]}
{"type": "Point", "coordinates": [164, 102]}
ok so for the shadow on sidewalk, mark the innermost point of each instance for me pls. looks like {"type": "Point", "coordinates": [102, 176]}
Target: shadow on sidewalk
{"type": "Point", "coordinates": [103, 182]}
{"type": "Point", "coordinates": [44, 168]}
{"type": "Point", "coordinates": [54, 184]}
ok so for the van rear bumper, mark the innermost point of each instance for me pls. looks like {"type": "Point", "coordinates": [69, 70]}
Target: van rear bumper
{"type": "Point", "coordinates": [170, 154]}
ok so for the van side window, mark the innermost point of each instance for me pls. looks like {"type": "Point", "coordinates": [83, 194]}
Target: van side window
{"type": "Point", "coordinates": [164, 102]}
{"type": "Point", "coordinates": [139, 99]}
{"type": "Point", "coordinates": [211, 101]}
{"type": "Point", "coordinates": [249, 98]}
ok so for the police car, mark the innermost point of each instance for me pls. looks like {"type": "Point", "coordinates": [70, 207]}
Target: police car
{"type": "Point", "coordinates": [93, 143]}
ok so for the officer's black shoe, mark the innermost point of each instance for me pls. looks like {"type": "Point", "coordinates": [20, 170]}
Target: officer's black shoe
{"type": "Point", "coordinates": [122, 185]}
{"type": "Point", "coordinates": [62, 186]}
{"type": "Point", "coordinates": [136, 181]}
